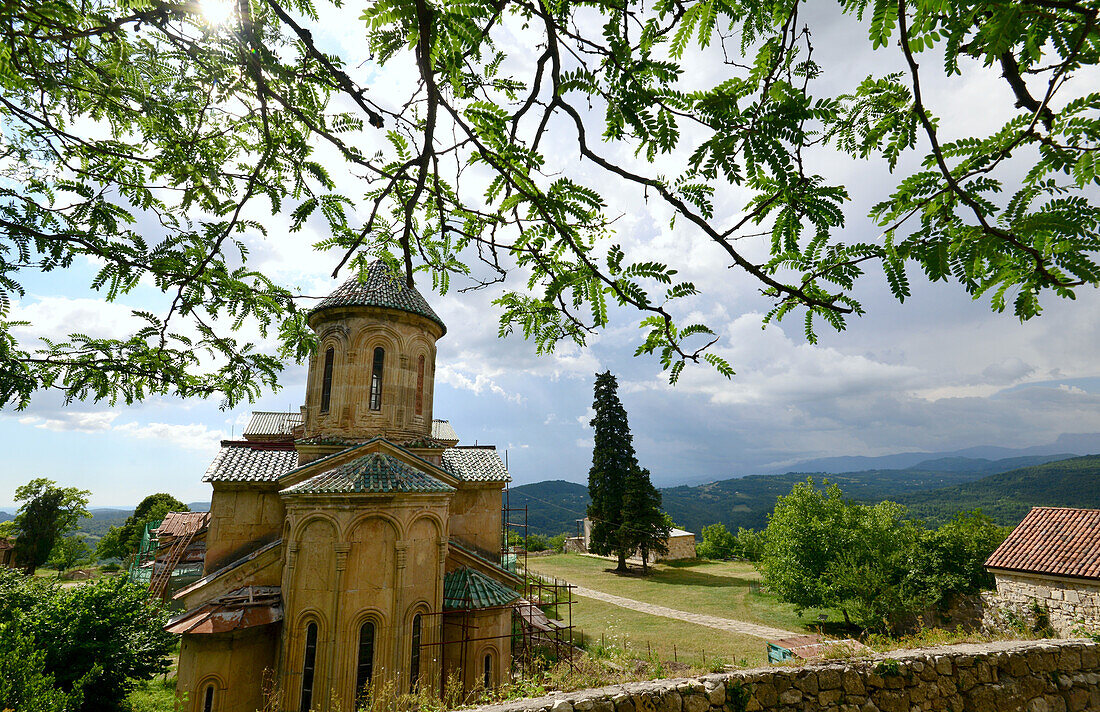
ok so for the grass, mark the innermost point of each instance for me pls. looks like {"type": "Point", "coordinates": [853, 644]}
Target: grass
{"type": "Point", "coordinates": [718, 588]}
{"type": "Point", "coordinates": [157, 695]}
{"type": "Point", "coordinates": [640, 635]}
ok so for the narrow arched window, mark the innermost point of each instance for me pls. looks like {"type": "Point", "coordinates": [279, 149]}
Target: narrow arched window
{"type": "Point", "coordinates": [208, 699]}
{"type": "Point", "coordinates": [309, 664]}
{"type": "Point", "coordinates": [365, 669]}
{"type": "Point", "coordinates": [488, 670]}
{"type": "Point", "coordinates": [414, 661]}
{"type": "Point", "coordinates": [420, 385]}
{"type": "Point", "coordinates": [326, 381]}
{"type": "Point", "coordinates": [376, 378]}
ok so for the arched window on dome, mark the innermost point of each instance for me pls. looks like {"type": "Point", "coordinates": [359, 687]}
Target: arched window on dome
{"type": "Point", "coordinates": [376, 378]}
{"type": "Point", "coordinates": [420, 385]}
{"type": "Point", "coordinates": [326, 379]}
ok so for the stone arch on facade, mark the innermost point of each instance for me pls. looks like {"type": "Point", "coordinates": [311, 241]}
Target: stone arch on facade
{"type": "Point", "coordinates": [199, 699]}
{"type": "Point", "coordinates": [300, 526]}
{"type": "Point", "coordinates": [381, 646]}
{"type": "Point", "coordinates": [492, 665]}
{"type": "Point", "coordinates": [430, 626]}
{"type": "Point", "coordinates": [336, 337]}
{"type": "Point", "coordinates": [398, 526]}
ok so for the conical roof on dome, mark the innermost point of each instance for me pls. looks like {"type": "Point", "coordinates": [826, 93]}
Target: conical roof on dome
{"type": "Point", "coordinates": [380, 289]}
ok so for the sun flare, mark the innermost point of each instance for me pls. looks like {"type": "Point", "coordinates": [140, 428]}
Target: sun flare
{"type": "Point", "coordinates": [216, 12]}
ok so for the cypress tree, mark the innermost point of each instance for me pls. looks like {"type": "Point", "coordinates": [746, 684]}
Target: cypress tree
{"type": "Point", "coordinates": [626, 508]}
{"type": "Point", "coordinates": [648, 525]}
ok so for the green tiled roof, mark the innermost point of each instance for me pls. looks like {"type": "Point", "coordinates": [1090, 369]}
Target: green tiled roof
{"type": "Point", "coordinates": [374, 473]}
{"type": "Point", "coordinates": [466, 590]}
{"type": "Point", "coordinates": [380, 288]}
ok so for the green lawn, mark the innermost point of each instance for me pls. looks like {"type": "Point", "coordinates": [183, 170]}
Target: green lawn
{"type": "Point", "coordinates": [642, 635]}
{"type": "Point", "coordinates": [717, 588]}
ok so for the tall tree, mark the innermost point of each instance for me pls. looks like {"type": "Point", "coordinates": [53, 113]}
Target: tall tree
{"type": "Point", "coordinates": [648, 524]}
{"type": "Point", "coordinates": [48, 513]}
{"type": "Point", "coordinates": [625, 507]}
{"type": "Point", "coordinates": [209, 117]}
{"type": "Point", "coordinates": [122, 541]}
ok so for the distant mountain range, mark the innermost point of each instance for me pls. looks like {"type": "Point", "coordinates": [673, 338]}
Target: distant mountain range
{"type": "Point", "coordinates": [934, 490]}
{"type": "Point", "coordinates": [103, 518]}
{"type": "Point", "coordinates": [1067, 445]}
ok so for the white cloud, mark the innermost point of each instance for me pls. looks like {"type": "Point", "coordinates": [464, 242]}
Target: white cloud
{"type": "Point", "coordinates": [75, 421]}
{"type": "Point", "coordinates": [190, 436]}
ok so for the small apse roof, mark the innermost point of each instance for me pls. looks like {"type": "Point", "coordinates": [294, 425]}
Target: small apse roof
{"type": "Point", "coordinates": [1060, 541]}
{"type": "Point", "coordinates": [380, 288]}
{"type": "Point", "coordinates": [443, 430]}
{"type": "Point", "coordinates": [177, 524]}
{"type": "Point", "coordinates": [376, 473]}
{"type": "Point", "coordinates": [465, 590]}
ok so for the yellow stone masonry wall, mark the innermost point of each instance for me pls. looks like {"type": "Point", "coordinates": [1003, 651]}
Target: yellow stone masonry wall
{"type": "Point", "coordinates": [242, 516]}
{"type": "Point", "coordinates": [353, 334]}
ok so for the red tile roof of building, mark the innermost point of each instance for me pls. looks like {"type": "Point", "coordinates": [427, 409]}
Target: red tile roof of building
{"type": "Point", "coordinates": [1061, 541]}
{"type": "Point", "coordinates": [177, 524]}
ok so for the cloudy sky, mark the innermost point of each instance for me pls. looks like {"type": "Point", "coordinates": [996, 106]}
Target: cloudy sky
{"type": "Point", "coordinates": [939, 372]}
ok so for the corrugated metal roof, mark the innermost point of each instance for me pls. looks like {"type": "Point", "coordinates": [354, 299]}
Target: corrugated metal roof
{"type": "Point", "coordinates": [245, 607]}
{"type": "Point", "coordinates": [239, 461]}
{"type": "Point", "coordinates": [176, 524]}
{"type": "Point", "coordinates": [380, 288]}
{"type": "Point", "coordinates": [442, 430]}
{"type": "Point", "coordinates": [465, 589]}
{"type": "Point", "coordinates": [267, 424]}
{"type": "Point", "coordinates": [1063, 541]}
{"type": "Point", "coordinates": [376, 473]}
{"type": "Point", "coordinates": [475, 464]}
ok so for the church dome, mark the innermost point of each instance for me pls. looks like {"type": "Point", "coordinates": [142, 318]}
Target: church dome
{"type": "Point", "coordinates": [382, 288]}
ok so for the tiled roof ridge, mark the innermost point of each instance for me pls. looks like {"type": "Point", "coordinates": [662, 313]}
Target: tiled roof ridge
{"type": "Point", "coordinates": [372, 473]}
{"type": "Point", "coordinates": [260, 444]}
{"type": "Point", "coordinates": [381, 288]}
{"type": "Point", "coordinates": [1055, 541]}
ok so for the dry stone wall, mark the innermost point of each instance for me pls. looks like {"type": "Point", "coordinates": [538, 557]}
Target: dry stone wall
{"type": "Point", "coordinates": [1068, 604]}
{"type": "Point", "coordinates": [1030, 676]}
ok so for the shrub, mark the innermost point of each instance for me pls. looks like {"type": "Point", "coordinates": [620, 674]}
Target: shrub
{"type": "Point", "coordinates": [98, 638]}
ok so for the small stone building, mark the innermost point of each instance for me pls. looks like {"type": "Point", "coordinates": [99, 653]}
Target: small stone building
{"type": "Point", "coordinates": [1050, 561]}
{"type": "Point", "coordinates": [681, 545]}
{"type": "Point", "coordinates": [7, 553]}
{"type": "Point", "coordinates": [354, 542]}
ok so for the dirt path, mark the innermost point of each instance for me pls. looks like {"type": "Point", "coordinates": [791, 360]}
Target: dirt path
{"type": "Point", "coordinates": [727, 624]}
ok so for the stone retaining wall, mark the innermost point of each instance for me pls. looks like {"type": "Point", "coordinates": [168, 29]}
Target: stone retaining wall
{"type": "Point", "coordinates": [1031, 676]}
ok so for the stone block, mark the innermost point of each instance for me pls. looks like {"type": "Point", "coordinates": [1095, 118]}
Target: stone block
{"type": "Point", "coordinates": [790, 697]}
{"type": "Point", "coordinates": [624, 703]}
{"type": "Point", "coordinates": [695, 703]}
{"type": "Point", "coordinates": [892, 700]}
{"type": "Point", "coordinates": [671, 702]}
{"type": "Point", "coordinates": [716, 693]}
{"type": "Point", "coordinates": [562, 706]}
{"type": "Point", "coordinates": [1069, 660]}
{"type": "Point", "coordinates": [853, 683]}
{"type": "Point", "coordinates": [807, 682]}
{"type": "Point", "coordinates": [584, 705]}
{"type": "Point", "coordinates": [826, 698]}
{"type": "Point", "coordinates": [829, 679]}
{"type": "Point", "coordinates": [602, 704]}
{"type": "Point", "coordinates": [767, 695]}
{"type": "Point", "coordinates": [1076, 699]}
{"type": "Point", "coordinates": [1038, 705]}
{"type": "Point", "coordinates": [943, 665]}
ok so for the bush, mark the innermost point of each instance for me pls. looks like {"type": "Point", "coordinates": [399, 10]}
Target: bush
{"type": "Point", "coordinates": [24, 682]}
{"type": "Point", "coordinates": [874, 563]}
{"type": "Point", "coordinates": [97, 639]}
{"type": "Point", "coordinates": [717, 543]}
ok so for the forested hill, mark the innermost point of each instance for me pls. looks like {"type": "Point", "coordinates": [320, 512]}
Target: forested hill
{"type": "Point", "coordinates": [554, 506]}
{"type": "Point", "coordinates": [1007, 497]}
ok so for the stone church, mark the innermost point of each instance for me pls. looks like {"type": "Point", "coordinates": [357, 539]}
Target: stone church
{"type": "Point", "coordinates": [356, 542]}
